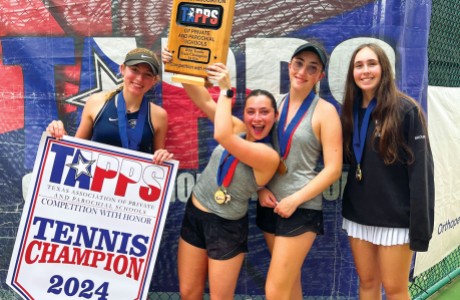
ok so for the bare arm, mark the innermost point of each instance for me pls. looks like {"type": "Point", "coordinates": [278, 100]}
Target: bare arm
{"type": "Point", "coordinates": [160, 124]}
{"type": "Point", "coordinates": [159, 119]}
{"type": "Point", "coordinates": [263, 159]}
{"type": "Point", "coordinates": [202, 99]}
{"type": "Point", "coordinates": [200, 96]}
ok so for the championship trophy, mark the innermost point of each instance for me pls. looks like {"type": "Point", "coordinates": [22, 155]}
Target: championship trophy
{"type": "Point", "coordinates": [199, 35]}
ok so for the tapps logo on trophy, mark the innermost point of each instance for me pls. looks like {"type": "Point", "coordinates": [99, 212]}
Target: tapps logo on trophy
{"type": "Point", "coordinates": [199, 35]}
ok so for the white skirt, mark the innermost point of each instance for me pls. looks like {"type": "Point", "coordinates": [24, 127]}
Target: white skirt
{"type": "Point", "coordinates": [384, 236]}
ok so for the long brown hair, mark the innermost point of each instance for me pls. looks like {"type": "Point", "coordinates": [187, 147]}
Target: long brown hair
{"type": "Point", "coordinates": [386, 113]}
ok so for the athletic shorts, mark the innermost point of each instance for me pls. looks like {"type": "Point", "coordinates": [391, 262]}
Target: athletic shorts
{"type": "Point", "coordinates": [222, 238]}
{"type": "Point", "coordinates": [301, 221]}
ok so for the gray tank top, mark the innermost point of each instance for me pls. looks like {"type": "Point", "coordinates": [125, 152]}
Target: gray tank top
{"type": "Point", "coordinates": [301, 162]}
{"type": "Point", "coordinates": [241, 188]}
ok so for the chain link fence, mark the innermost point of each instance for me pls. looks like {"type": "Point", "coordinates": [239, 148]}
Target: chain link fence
{"type": "Point", "coordinates": [443, 70]}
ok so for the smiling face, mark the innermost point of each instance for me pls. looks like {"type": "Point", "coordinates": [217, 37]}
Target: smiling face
{"type": "Point", "coordinates": [367, 72]}
{"type": "Point", "coordinates": [305, 70]}
{"type": "Point", "coordinates": [259, 117]}
{"type": "Point", "coordinates": [138, 79]}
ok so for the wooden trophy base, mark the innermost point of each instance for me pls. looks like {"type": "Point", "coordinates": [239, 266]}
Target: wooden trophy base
{"type": "Point", "coordinates": [182, 78]}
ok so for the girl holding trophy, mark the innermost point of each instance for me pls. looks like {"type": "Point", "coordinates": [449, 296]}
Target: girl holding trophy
{"type": "Point", "coordinates": [214, 231]}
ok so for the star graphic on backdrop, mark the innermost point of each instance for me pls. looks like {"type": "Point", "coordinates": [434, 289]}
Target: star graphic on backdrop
{"type": "Point", "coordinates": [81, 167]}
{"type": "Point", "coordinates": [105, 80]}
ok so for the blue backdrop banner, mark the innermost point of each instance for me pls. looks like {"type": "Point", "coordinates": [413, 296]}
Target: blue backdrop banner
{"type": "Point", "coordinates": [54, 54]}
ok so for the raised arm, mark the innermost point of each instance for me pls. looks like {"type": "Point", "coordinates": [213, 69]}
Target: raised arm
{"type": "Point", "coordinates": [223, 123]}
{"type": "Point", "coordinates": [262, 158]}
{"type": "Point", "coordinates": [201, 97]}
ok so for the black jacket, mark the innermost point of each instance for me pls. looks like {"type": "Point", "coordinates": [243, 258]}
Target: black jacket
{"type": "Point", "coordinates": [397, 195]}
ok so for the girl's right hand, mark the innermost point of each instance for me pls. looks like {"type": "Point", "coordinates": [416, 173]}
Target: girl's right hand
{"type": "Point", "coordinates": [56, 129]}
{"type": "Point", "coordinates": [218, 73]}
{"type": "Point", "coordinates": [166, 55]}
{"type": "Point", "coordinates": [266, 198]}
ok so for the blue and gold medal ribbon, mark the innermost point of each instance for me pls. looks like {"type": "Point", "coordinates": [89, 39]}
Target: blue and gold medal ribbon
{"type": "Point", "coordinates": [130, 137]}
{"type": "Point", "coordinates": [359, 134]}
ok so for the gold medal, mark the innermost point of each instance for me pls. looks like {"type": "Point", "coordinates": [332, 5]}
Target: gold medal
{"type": "Point", "coordinates": [282, 168]}
{"type": "Point", "coordinates": [359, 173]}
{"type": "Point", "coordinates": [222, 197]}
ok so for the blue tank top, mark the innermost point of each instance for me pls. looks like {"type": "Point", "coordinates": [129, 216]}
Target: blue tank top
{"type": "Point", "coordinates": [105, 128]}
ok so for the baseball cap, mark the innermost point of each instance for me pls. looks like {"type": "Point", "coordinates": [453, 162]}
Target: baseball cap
{"type": "Point", "coordinates": [143, 55]}
{"type": "Point", "coordinates": [313, 48]}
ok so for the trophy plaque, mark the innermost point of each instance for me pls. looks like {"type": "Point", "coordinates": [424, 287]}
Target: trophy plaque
{"type": "Point", "coordinates": [199, 35]}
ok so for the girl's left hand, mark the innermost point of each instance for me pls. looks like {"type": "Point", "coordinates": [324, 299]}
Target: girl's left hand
{"type": "Point", "coordinates": [161, 155]}
{"type": "Point", "coordinates": [286, 207]}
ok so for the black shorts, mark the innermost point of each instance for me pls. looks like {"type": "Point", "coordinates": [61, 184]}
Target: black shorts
{"type": "Point", "coordinates": [301, 221]}
{"type": "Point", "coordinates": [222, 238]}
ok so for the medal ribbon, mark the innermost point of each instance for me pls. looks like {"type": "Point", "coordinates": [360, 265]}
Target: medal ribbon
{"type": "Point", "coordinates": [226, 170]}
{"type": "Point", "coordinates": [228, 163]}
{"type": "Point", "coordinates": [359, 135]}
{"type": "Point", "coordinates": [285, 136]}
{"type": "Point", "coordinates": [130, 137]}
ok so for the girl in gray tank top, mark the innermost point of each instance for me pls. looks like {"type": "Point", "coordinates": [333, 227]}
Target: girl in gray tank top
{"type": "Point", "coordinates": [290, 207]}
{"type": "Point", "coordinates": [214, 229]}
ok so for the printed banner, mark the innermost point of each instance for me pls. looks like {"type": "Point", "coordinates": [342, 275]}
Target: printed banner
{"type": "Point", "coordinates": [444, 133]}
{"type": "Point", "coordinates": [54, 54]}
{"type": "Point", "coordinates": [92, 222]}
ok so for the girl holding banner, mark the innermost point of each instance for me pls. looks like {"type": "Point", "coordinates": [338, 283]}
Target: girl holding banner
{"type": "Point", "coordinates": [389, 196]}
{"type": "Point", "coordinates": [215, 226]}
{"type": "Point", "coordinates": [290, 208]}
{"type": "Point", "coordinates": [124, 117]}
